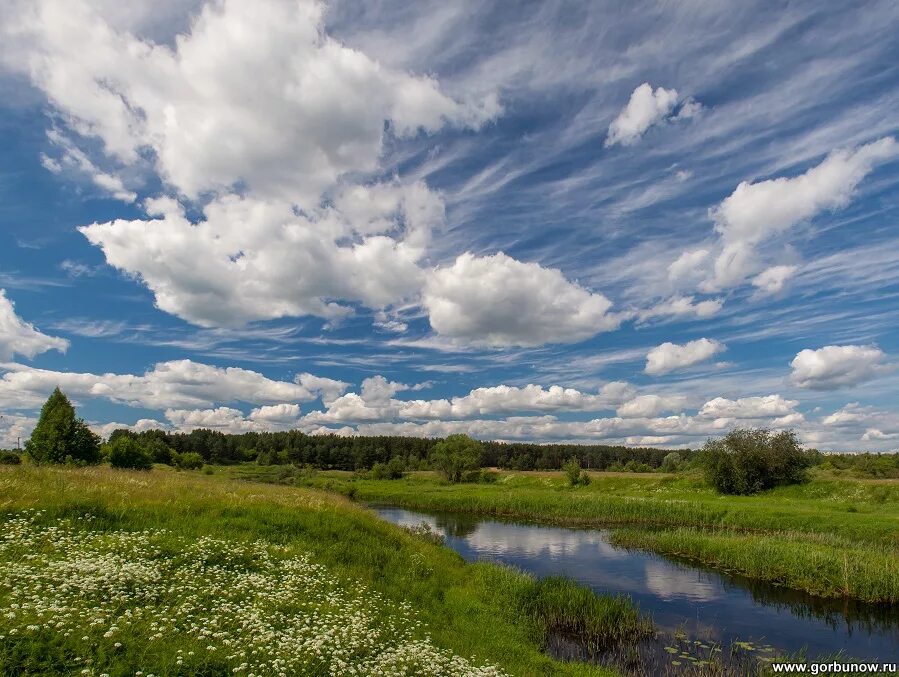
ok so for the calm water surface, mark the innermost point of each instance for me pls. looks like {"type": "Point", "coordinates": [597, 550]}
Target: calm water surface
{"type": "Point", "coordinates": [707, 605]}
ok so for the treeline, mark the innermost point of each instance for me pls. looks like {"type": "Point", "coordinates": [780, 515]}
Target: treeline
{"type": "Point", "coordinates": [336, 452]}
{"type": "Point", "coordinates": [882, 466]}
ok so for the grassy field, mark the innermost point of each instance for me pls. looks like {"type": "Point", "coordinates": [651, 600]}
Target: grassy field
{"type": "Point", "coordinates": [180, 573]}
{"type": "Point", "coordinates": [832, 536]}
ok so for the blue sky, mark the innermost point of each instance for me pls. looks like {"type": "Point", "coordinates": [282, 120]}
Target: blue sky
{"type": "Point", "coordinates": [555, 221]}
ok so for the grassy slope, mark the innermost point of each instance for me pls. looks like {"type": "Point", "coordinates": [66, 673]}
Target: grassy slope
{"type": "Point", "coordinates": [465, 608]}
{"type": "Point", "coordinates": [831, 537]}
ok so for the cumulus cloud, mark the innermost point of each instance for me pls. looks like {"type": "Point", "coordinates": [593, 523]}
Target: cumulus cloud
{"type": "Point", "coordinates": [15, 429]}
{"type": "Point", "coordinates": [671, 356]}
{"type": "Point", "coordinates": [18, 337]}
{"type": "Point", "coordinates": [772, 280]}
{"type": "Point", "coordinates": [175, 384]}
{"type": "Point", "coordinates": [748, 407]}
{"type": "Point", "coordinates": [202, 108]}
{"type": "Point", "coordinates": [755, 212]}
{"type": "Point", "coordinates": [505, 399]}
{"type": "Point", "coordinates": [104, 430]}
{"type": "Point", "coordinates": [682, 306]}
{"type": "Point", "coordinates": [834, 367]}
{"type": "Point", "coordinates": [499, 301]}
{"type": "Point", "coordinates": [276, 163]}
{"type": "Point", "coordinates": [644, 109]}
{"type": "Point", "coordinates": [688, 264]}
{"type": "Point", "coordinates": [649, 406]}
{"type": "Point", "coordinates": [252, 259]}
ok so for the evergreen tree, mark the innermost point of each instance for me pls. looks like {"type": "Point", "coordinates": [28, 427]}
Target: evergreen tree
{"type": "Point", "coordinates": [60, 437]}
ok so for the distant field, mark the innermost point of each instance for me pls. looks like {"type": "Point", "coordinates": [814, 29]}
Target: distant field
{"type": "Point", "coordinates": [164, 572]}
{"type": "Point", "coordinates": [832, 536]}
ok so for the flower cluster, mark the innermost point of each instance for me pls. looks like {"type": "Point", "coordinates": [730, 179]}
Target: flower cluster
{"type": "Point", "coordinates": [152, 602]}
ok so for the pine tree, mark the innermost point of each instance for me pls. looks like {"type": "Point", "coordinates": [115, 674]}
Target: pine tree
{"type": "Point", "coordinates": [60, 437]}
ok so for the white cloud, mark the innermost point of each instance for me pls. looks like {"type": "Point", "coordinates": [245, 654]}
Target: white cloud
{"type": "Point", "coordinates": [505, 399]}
{"type": "Point", "coordinates": [748, 407]}
{"type": "Point", "coordinates": [772, 280]}
{"type": "Point", "coordinates": [755, 212]}
{"type": "Point", "coordinates": [688, 264]}
{"type": "Point", "coordinates": [649, 406]}
{"type": "Point", "coordinates": [176, 384]}
{"type": "Point", "coordinates": [644, 109]}
{"type": "Point", "coordinates": [104, 430]}
{"type": "Point", "coordinates": [682, 306]}
{"type": "Point", "coordinates": [75, 160]}
{"type": "Point", "coordinates": [18, 337]}
{"type": "Point", "coordinates": [499, 301]}
{"type": "Point", "coordinates": [252, 93]}
{"type": "Point", "coordinates": [15, 429]}
{"type": "Point", "coordinates": [250, 259]}
{"type": "Point", "coordinates": [833, 367]}
{"type": "Point", "coordinates": [670, 356]}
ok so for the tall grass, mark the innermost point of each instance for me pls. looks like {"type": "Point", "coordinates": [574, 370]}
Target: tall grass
{"type": "Point", "coordinates": [828, 567]}
{"type": "Point", "coordinates": [846, 529]}
{"type": "Point", "coordinates": [456, 607]}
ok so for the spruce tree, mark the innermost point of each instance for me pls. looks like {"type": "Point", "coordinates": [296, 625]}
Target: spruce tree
{"type": "Point", "coordinates": [60, 437]}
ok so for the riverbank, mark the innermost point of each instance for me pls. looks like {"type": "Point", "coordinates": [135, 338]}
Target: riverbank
{"type": "Point", "coordinates": [117, 571]}
{"type": "Point", "coordinates": [830, 537]}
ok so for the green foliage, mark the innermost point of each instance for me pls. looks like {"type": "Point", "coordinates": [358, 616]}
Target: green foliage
{"type": "Point", "coordinates": [60, 437]}
{"type": "Point", "coordinates": [392, 470]}
{"type": "Point", "coordinates": [456, 455]}
{"type": "Point", "coordinates": [159, 451]}
{"type": "Point", "coordinates": [599, 622]}
{"type": "Point", "coordinates": [125, 452]}
{"type": "Point", "coordinates": [804, 525]}
{"type": "Point", "coordinates": [573, 472]}
{"type": "Point", "coordinates": [471, 610]}
{"type": "Point", "coordinates": [672, 462]}
{"type": "Point", "coordinates": [9, 458]}
{"type": "Point", "coordinates": [747, 461]}
{"type": "Point", "coordinates": [188, 461]}
{"type": "Point", "coordinates": [879, 466]}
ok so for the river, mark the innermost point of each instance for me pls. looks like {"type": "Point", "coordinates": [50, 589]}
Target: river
{"type": "Point", "coordinates": [693, 603]}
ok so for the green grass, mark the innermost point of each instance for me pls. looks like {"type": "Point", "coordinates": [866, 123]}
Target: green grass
{"type": "Point", "coordinates": [211, 559]}
{"type": "Point", "coordinates": [831, 537]}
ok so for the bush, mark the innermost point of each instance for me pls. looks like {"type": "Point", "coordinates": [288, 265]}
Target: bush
{"type": "Point", "coordinates": [573, 472]}
{"type": "Point", "coordinates": [9, 458]}
{"type": "Point", "coordinates": [159, 451]}
{"type": "Point", "coordinates": [455, 456]}
{"type": "Point", "coordinates": [672, 462]}
{"type": "Point", "coordinates": [189, 460]}
{"type": "Point", "coordinates": [392, 470]}
{"type": "Point", "coordinates": [125, 452]}
{"type": "Point", "coordinates": [749, 461]}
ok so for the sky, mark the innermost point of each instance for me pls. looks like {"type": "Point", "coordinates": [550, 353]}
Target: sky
{"type": "Point", "coordinates": [643, 223]}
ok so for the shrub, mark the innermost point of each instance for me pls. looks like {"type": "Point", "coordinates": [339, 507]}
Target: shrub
{"type": "Point", "coordinates": [189, 460]}
{"type": "Point", "coordinates": [456, 455]}
{"type": "Point", "coordinates": [125, 452]}
{"type": "Point", "coordinates": [9, 458]}
{"type": "Point", "coordinates": [392, 470]}
{"type": "Point", "coordinates": [753, 460]}
{"type": "Point", "coordinates": [159, 451]}
{"type": "Point", "coordinates": [672, 462]}
{"type": "Point", "coordinates": [573, 472]}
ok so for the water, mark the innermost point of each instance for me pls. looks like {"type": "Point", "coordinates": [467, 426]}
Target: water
{"type": "Point", "coordinates": [706, 605]}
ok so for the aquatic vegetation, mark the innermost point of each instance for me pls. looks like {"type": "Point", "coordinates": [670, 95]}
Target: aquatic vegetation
{"type": "Point", "coordinates": [149, 601]}
{"type": "Point", "coordinates": [800, 536]}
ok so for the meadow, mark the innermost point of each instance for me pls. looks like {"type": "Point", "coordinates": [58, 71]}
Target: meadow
{"type": "Point", "coordinates": [116, 572]}
{"type": "Point", "coordinates": [832, 536]}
